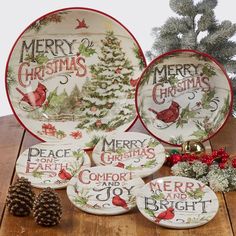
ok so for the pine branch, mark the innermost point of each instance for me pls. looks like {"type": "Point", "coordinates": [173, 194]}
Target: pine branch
{"type": "Point", "coordinates": [183, 7]}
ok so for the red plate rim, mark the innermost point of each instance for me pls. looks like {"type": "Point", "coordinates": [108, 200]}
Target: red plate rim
{"type": "Point", "coordinates": [178, 51]}
{"type": "Point", "coordinates": [49, 13]}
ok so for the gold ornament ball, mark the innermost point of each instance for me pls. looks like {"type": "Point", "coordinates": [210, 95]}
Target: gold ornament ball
{"type": "Point", "coordinates": [193, 147]}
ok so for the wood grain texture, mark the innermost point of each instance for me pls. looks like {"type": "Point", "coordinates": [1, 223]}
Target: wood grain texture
{"type": "Point", "coordinates": [75, 222]}
{"type": "Point", "coordinates": [227, 138]}
{"type": "Point", "coordinates": [10, 141]}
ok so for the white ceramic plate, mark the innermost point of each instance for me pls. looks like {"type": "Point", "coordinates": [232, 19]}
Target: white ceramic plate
{"type": "Point", "coordinates": [72, 74]}
{"type": "Point", "coordinates": [136, 152]}
{"type": "Point", "coordinates": [51, 165]}
{"type": "Point", "coordinates": [183, 95]}
{"type": "Point", "coordinates": [104, 190]}
{"type": "Point", "coordinates": [177, 202]}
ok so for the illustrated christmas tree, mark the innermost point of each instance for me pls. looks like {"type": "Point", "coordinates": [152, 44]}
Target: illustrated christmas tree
{"type": "Point", "coordinates": [108, 97]}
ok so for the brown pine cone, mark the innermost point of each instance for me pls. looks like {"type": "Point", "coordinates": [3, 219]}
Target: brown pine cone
{"type": "Point", "coordinates": [47, 208]}
{"type": "Point", "coordinates": [20, 198]}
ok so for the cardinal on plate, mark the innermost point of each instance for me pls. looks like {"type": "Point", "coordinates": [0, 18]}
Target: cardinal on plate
{"type": "Point", "coordinates": [81, 24]}
{"type": "Point", "coordinates": [118, 201]}
{"type": "Point", "coordinates": [63, 174]}
{"type": "Point", "coordinates": [35, 98]}
{"type": "Point", "coordinates": [168, 115]}
{"type": "Point", "coordinates": [165, 215]}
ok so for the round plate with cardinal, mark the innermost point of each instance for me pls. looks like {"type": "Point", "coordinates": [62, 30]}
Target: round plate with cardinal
{"type": "Point", "coordinates": [104, 190]}
{"type": "Point", "coordinates": [183, 95]}
{"type": "Point", "coordinates": [48, 165]}
{"type": "Point", "coordinates": [177, 202]}
{"type": "Point", "coordinates": [132, 151]}
{"type": "Point", "coordinates": [71, 75]}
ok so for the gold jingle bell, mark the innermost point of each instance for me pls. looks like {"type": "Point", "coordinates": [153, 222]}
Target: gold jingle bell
{"type": "Point", "coordinates": [193, 147]}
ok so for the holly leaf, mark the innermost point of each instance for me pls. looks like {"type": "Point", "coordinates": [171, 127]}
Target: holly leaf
{"type": "Point", "coordinates": [29, 57]}
{"type": "Point", "coordinates": [130, 167]}
{"type": "Point", "coordinates": [185, 115]}
{"type": "Point", "coordinates": [158, 197]}
{"type": "Point", "coordinates": [196, 194]}
{"type": "Point", "coordinates": [206, 99]}
{"type": "Point", "coordinates": [41, 59]}
{"type": "Point", "coordinates": [180, 122]}
{"type": "Point", "coordinates": [172, 80]}
{"type": "Point", "coordinates": [208, 70]}
{"type": "Point", "coordinates": [81, 200]}
{"type": "Point", "coordinates": [86, 51]}
{"type": "Point", "coordinates": [153, 143]}
{"type": "Point", "coordinates": [150, 213]}
{"type": "Point", "coordinates": [93, 141]}
{"type": "Point", "coordinates": [120, 151]}
{"type": "Point", "coordinates": [200, 134]}
{"type": "Point", "coordinates": [77, 154]}
{"type": "Point", "coordinates": [149, 163]}
{"type": "Point", "coordinates": [37, 174]}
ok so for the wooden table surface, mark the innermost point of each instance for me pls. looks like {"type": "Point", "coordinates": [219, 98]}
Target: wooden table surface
{"type": "Point", "coordinates": [14, 140]}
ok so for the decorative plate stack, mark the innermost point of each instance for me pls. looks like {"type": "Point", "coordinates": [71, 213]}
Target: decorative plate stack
{"type": "Point", "coordinates": [76, 78]}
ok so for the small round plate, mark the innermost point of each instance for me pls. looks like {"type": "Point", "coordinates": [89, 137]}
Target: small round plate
{"type": "Point", "coordinates": [136, 152]}
{"type": "Point", "coordinates": [104, 190]}
{"type": "Point", "coordinates": [183, 95]}
{"type": "Point", "coordinates": [50, 165]}
{"type": "Point", "coordinates": [177, 202]}
{"type": "Point", "coordinates": [71, 76]}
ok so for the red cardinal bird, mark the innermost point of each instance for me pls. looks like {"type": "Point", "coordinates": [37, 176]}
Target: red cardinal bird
{"type": "Point", "coordinates": [165, 215]}
{"type": "Point", "coordinates": [35, 98]}
{"type": "Point", "coordinates": [81, 24]}
{"type": "Point", "coordinates": [133, 82]}
{"type": "Point", "coordinates": [63, 174]}
{"type": "Point", "coordinates": [168, 115]}
{"type": "Point", "coordinates": [118, 201]}
{"type": "Point", "coordinates": [120, 164]}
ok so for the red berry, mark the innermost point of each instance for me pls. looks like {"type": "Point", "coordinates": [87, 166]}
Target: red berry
{"type": "Point", "coordinates": [222, 165]}
{"type": "Point", "coordinates": [224, 159]}
{"type": "Point", "coordinates": [234, 163]}
{"type": "Point", "coordinates": [193, 158]}
{"type": "Point", "coordinates": [225, 155]}
{"type": "Point", "coordinates": [185, 157]}
{"type": "Point", "coordinates": [176, 158]}
{"type": "Point", "coordinates": [221, 151]}
{"type": "Point", "coordinates": [214, 154]}
{"type": "Point", "coordinates": [209, 161]}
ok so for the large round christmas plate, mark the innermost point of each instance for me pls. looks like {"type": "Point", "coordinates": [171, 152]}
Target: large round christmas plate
{"type": "Point", "coordinates": [51, 165]}
{"type": "Point", "coordinates": [132, 151]}
{"type": "Point", "coordinates": [104, 190]}
{"type": "Point", "coordinates": [183, 95]}
{"type": "Point", "coordinates": [71, 75]}
{"type": "Point", "coordinates": [177, 202]}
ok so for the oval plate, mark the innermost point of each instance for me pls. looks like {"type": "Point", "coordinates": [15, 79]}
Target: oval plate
{"type": "Point", "coordinates": [183, 95]}
{"type": "Point", "coordinates": [72, 74]}
{"type": "Point", "coordinates": [177, 202]}
{"type": "Point", "coordinates": [132, 151]}
{"type": "Point", "coordinates": [104, 190]}
{"type": "Point", "coordinates": [49, 165]}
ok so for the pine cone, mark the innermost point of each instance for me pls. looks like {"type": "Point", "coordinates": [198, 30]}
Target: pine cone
{"type": "Point", "coordinates": [20, 198]}
{"type": "Point", "coordinates": [47, 208]}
